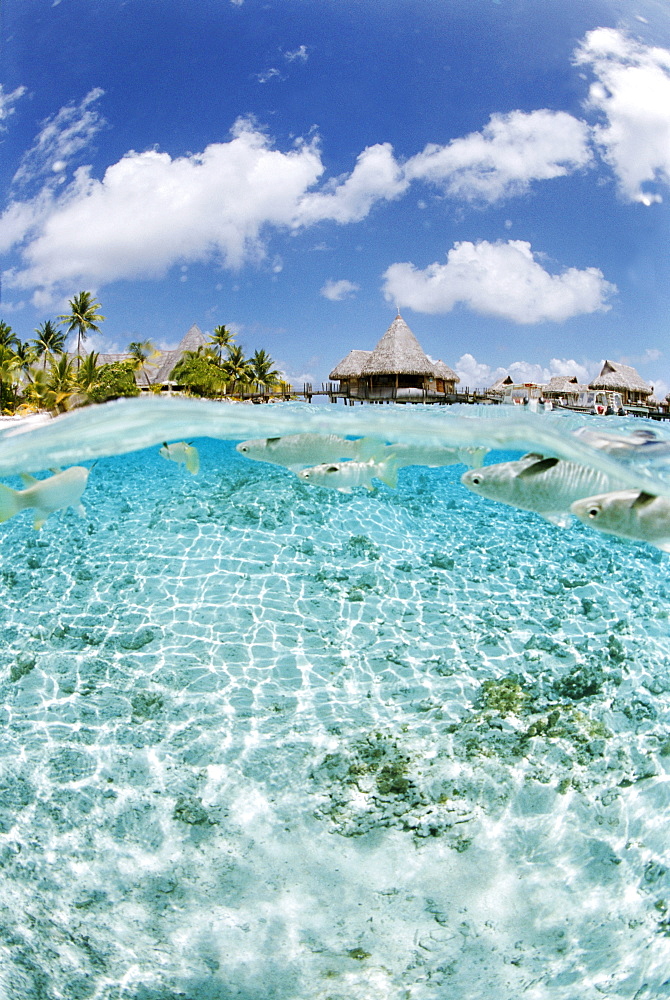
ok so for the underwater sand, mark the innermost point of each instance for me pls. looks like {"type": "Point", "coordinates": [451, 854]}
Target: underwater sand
{"type": "Point", "coordinates": [272, 742]}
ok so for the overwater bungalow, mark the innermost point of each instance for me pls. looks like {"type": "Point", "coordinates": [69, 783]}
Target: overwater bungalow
{"type": "Point", "coordinates": [564, 387]}
{"type": "Point", "coordinates": [396, 370]}
{"type": "Point", "coordinates": [624, 380]}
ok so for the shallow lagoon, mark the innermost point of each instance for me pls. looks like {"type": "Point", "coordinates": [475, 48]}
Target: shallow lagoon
{"type": "Point", "coordinates": [264, 740]}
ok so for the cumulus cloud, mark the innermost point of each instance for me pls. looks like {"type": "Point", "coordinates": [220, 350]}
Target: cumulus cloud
{"type": "Point", "coordinates": [480, 375]}
{"type": "Point", "coordinates": [60, 138]}
{"type": "Point", "coordinates": [502, 160]}
{"type": "Point", "coordinates": [498, 279]}
{"type": "Point", "coordinates": [7, 102]}
{"type": "Point", "coordinates": [632, 91]}
{"type": "Point", "coordinates": [377, 176]}
{"type": "Point", "coordinates": [149, 212]}
{"type": "Point", "coordinates": [338, 290]}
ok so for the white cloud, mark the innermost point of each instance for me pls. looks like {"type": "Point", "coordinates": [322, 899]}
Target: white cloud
{"type": "Point", "coordinates": [7, 102]}
{"type": "Point", "coordinates": [377, 176]}
{"type": "Point", "coordinates": [300, 54]}
{"type": "Point", "coordinates": [632, 90]}
{"type": "Point", "coordinates": [269, 74]}
{"type": "Point", "coordinates": [338, 290]}
{"type": "Point", "coordinates": [502, 160]}
{"type": "Point", "coordinates": [60, 138]}
{"type": "Point", "coordinates": [149, 212]}
{"type": "Point", "coordinates": [498, 279]}
{"type": "Point", "coordinates": [479, 375]}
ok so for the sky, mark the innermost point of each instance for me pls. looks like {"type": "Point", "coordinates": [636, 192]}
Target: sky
{"type": "Point", "coordinates": [298, 170]}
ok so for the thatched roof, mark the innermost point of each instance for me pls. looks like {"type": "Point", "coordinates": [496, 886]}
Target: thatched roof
{"type": "Point", "coordinates": [398, 353]}
{"type": "Point", "coordinates": [501, 383]}
{"type": "Point", "coordinates": [616, 376]}
{"type": "Point", "coordinates": [565, 383]}
{"type": "Point", "coordinates": [351, 366]}
{"type": "Point", "coordinates": [440, 370]}
{"type": "Point", "coordinates": [160, 368]}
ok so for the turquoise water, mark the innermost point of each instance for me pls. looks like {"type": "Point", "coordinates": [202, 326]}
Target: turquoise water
{"type": "Point", "coordinates": [265, 740]}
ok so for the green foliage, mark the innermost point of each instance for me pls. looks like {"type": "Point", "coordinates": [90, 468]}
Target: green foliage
{"type": "Point", "coordinates": [114, 381]}
{"type": "Point", "coordinates": [82, 316]}
{"type": "Point", "coordinates": [200, 374]}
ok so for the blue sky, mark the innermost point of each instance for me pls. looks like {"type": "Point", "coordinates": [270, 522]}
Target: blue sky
{"type": "Point", "coordinates": [295, 169]}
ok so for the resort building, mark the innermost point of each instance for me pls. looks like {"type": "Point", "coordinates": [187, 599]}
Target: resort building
{"type": "Point", "coordinates": [157, 369]}
{"type": "Point", "coordinates": [565, 388]}
{"type": "Point", "coordinates": [624, 380]}
{"type": "Point", "coordinates": [397, 369]}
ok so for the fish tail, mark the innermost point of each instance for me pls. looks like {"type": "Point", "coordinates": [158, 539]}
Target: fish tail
{"type": "Point", "coordinates": [193, 461]}
{"type": "Point", "coordinates": [10, 502]}
{"type": "Point", "coordinates": [388, 473]}
{"type": "Point", "coordinates": [368, 447]}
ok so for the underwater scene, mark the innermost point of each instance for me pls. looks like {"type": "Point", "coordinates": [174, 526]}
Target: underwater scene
{"type": "Point", "coordinates": [269, 740]}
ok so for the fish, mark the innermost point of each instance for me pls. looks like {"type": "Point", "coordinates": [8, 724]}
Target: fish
{"type": "Point", "coordinates": [628, 514]}
{"type": "Point", "coordinates": [44, 496]}
{"type": "Point", "coordinates": [642, 442]}
{"type": "Point", "coordinates": [343, 475]}
{"type": "Point", "coordinates": [182, 453]}
{"type": "Point", "coordinates": [434, 456]}
{"type": "Point", "coordinates": [546, 486]}
{"type": "Point", "coordinates": [299, 451]}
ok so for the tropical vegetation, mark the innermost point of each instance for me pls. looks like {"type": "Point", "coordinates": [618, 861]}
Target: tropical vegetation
{"type": "Point", "coordinates": [38, 374]}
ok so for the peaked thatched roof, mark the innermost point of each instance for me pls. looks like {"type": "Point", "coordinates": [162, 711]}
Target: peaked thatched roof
{"type": "Point", "coordinates": [565, 383]}
{"type": "Point", "coordinates": [398, 353]}
{"type": "Point", "coordinates": [501, 383]}
{"type": "Point", "coordinates": [163, 365]}
{"type": "Point", "coordinates": [616, 376]}
{"type": "Point", "coordinates": [351, 366]}
{"type": "Point", "coordinates": [440, 370]}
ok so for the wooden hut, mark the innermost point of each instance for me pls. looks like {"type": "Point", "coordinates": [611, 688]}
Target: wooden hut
{"type": "Point", "coordinates": [625, 380]}
{"type": "Point", "coordinates": [397, 369]}
{"type": "Point", "coordinates": [565, 387]}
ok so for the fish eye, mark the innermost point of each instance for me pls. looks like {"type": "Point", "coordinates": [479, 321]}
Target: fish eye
{"type": "Point", "coordinates": [476, 480]}
{"type": "Point", "coordinates": [593, 511]}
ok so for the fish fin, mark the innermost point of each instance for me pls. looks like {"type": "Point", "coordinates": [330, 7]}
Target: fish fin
{"type": "Point", "coordinates": [193, 461]}
{"type": "Point", "coordinates": [28, 480]}
{"type": "Point", "coordinates": [389, 474]}
{"type": "Point", "coordinates": [642, 499]}
{"type": "Point", "coordinates": [81, 510]}
{"type": "Point", "coordinates": [56, 471]}
{"type": "Point", "coordinates": [538, 467]}
{"type": "Point", "coordinates": [533, 454]}
{"type": "Point", "coordinates": [560, 520]}
{"type": "Point", "coordinates": [368, 447]}
{"type": "Point", "coordinates": [272, 440]}
{"type": "Point", "coordinates": [475, 457]}
{"type": "Point", "coordinates": [165, 444]}
{"type": "Point", "coordinates": [10, 502]}
{"type": "Point", "coordinates": [40, 519]}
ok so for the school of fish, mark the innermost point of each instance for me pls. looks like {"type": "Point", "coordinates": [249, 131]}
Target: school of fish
{"type": "Point", "coordinates": [555, 488]}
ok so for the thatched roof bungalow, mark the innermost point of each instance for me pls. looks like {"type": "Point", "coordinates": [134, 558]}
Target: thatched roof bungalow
{"type": "Point", "coordinates": [625, 380]}
{"type": "Point", "coordinates": [396, 369]}
{"type": "Point", "coordinates": [158, 368]}
{"type": "Point", "coordinates": [564, 387]}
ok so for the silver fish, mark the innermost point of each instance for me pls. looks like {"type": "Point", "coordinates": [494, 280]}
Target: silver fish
{"type": "Point", "coordinates": [343, 475]}
{"type": "Point", "coordinates": [547, 486]}
{"type": "Point", "coordinates": [434, 456]}
{"type": "Point", "coordinates": [44, 496]}
{"type": "Point", "coordinates": [297, 451]}
{"type": "Point", "coordinates": [181, 453]}
{"type": "Point", "coordinates": [628, 514]}
{"type": "Point", "coordinates": [642, 442]}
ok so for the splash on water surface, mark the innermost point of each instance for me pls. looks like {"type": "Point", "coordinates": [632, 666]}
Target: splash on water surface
{"type": "Point", "coordinates": [264, 740]}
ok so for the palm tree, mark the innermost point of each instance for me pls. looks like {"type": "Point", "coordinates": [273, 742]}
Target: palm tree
{"type": "Point", "coordinates": [82, 318]}
{"type": "Point", "coordinates": [7, 335]}
{"type": "Point", "coordinates": [141, 351]}
{"type": "Point", "coordinates": [88, 373]}
{"type": "Point", "coordinates": [49, 341]}
{"type": "Point", "coordinates": [263, 372]}
{"type": "Point", "coordinates": [221, 337]}
{"type": "Point", "coordinates": [60, 384]}
{"type": "Point", "coordinates": [9, 364]}
{"type": "Point", "coordinates": [236, 366]}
